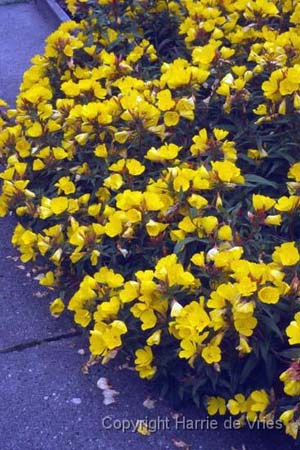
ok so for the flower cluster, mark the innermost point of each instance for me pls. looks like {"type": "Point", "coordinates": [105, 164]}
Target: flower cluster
{"type": "Point", "coordinates": [152, 159]}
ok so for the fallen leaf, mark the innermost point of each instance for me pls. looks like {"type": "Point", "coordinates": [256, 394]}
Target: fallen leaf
{"type": "Point", "coordinates": [175, 415]}
{"type": "Point", "coordinates": [85, 368]}
{"type": "Point", "coordinates": [103, 384]}
{"type": "Point", "coordinates": [143, 429]}
{"type": "Point", "coordinates": [14, 258]}
{"type": "Point", "coordinates": [111, 355]}
{"type": "Point", "coordinates": [178, 443]}
{"type": "Point", "coordinates": [149, 403]}
{"type": "Point", "coordinates": [109, 396]}
{"type": "Point", "coordinates": [40, 294]}
{"type": "Point", "coordinates": [125, 366]}
{"type": "Point", "coordinates": [124, 252]}
{"type": "Point", "coordinates": [39, 276]}
{"type": "Point", "coordinates": [76, 401]}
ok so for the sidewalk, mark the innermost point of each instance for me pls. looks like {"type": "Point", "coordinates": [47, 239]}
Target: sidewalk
{"type": "Point", "coordinates": [46, 403]}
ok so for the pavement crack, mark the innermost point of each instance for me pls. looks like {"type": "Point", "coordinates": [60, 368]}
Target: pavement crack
{"type": "Point", "coordinates": [36, 342]}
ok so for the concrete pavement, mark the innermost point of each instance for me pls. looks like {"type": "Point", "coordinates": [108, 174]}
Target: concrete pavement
{"type": "Point", "coordinates": [22, 34]}
{"type": "Point", "coordinates": [46, 403]}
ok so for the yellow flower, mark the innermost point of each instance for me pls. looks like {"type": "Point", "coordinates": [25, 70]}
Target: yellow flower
{"type": "Point", "coordinates": [114, 181]}
{"type": "Point", "coordinates": [166, 152]}
{"type": "Point", "coordinates": [154, 338]}
{"type": "Point", "coordinates": [122, 136]}
{"type": "Point", "coordinates": [225, 233]}
{"type": "Point", "coordinates": [130, 291]}
{"type": "Point", "coordinates": [211, 353]}
{"type": "Point", "coordinates": [260, 401]}
{"type": "Point", "coordinates": [82, 317]}
{"type": "Point", "coordinates": [35, 130]}
{"type": "Point", "coordinates": [65, 185]}
{"type": "Point", "coordinates": [188, 349]}
{"type": "Point", "coordinates": [226, 257]}
{"type": "Point", "coordinates": [237, 405]}
{"type": "Point", "coordinates": [200, 143]}
{"type": "Point", "coordinates": [109, 277]}
{"type": "Point", "coordinates": [143, 361]}
{"type": "Point", "coordinates": [48, 279]}
{"type": "Point", "coordinates": [287, 416]}
{"type": "Point", "coordinates": [286, 255]}
{"type": "Point", "coordinates": [165, 101]}
{"type": "Point", "coordinates": [133, 216]}
{"type": "Point", "coordinates": [197, 201]}
{"type": "Point", "coordinates": [134, 167]}
{"type": "Point", "coordinates": [253, 153]}
{"type": "Point", "coordinates": [228, 172]}
{"type": "Point", "coordinates": [262, 202]}
{"type": "Point", "coordinates": [291, 424]}
{"type": "Point", "coordinates": [185, 107]}
{"type": "Point", "coordinates": [57, 307]}
{"type": "Point", "coordinates": [275, 219]}
{"type": "Point", "coordinates": [147, 316]}
{"type": "Point", "coordinates": [94, 210]}
{"type": "Point", "coordinates": [59, 153]}
{"type": "Point", "coordinates": [118, 166]}
{"type": "Point", "coordinates": [244, 323]}
{"type": "Point", "coordinates": [216, 405]}
{"type": "Point", "coordinates": [287, 204]}
{"type": "Point", "coordinates": [220, 134]}
{"type": "Point", "coordinates": [171, 118]}
{"type": "Point", "coordinates": [28, 238]}
{"type": "Point", "coordinates": [105, 337]}
{"type": "Point", "coordinates": [155, 228]}
{"type": "Point", "coordinates": [58, 205]}
{"type": "Point", "coordinates": [290, 378]}
{"type": "Point", "coordinates": [191, 320]}
{"type": "Point", "coordinates": [152, 201]}
{"type": "Point", "coordinates": [293, 330]}
{"type": "Point", "coordinates": [269, 295]}
{"type": "Point", "coordinates": [94, 257]}
{"type": "Point", "coordinates": [198, 259]}
{"type": "Point", "coordinates": [101, 151]}
{"type": "Point", "coordinates": [209, 223]}
{"type": "Point", "coordinates": [169, 271]}
{"type": "Point", "coordinates": [244, 347]}
{"type": "Point", "coordinates": [294, 172]}
{"type": "Point", "coordinates": [204, 55]}
{"type": "Point", "coordinates": [38, 164]}
{"type": "Point", "coordinates": [271, 87]}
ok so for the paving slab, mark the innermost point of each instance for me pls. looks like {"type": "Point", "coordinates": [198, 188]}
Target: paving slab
{"type": "Point", "coordinates": [24, 304]}
{"type": "Point", "coordinates": [9, 2]}
{"type": "Point", "coordinates": [48, 404]}
{"type": "Point", "coordinates": [23, 30]}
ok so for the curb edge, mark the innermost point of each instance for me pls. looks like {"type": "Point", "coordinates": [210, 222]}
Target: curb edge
{"type": "Point", "coordinates": [50, 6]}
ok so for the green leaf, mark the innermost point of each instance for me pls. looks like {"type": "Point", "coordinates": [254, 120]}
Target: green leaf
{"type": "Point", "coordinates": [249, 366]}
{"type": "Point", "coordinates": [271, 324]}
{"type": "Point", "coordinates": [179, 247]}
{"type": "Point", "coordinates": [291, 353]}
{"type": "Point", "coordinates": [257, 180]}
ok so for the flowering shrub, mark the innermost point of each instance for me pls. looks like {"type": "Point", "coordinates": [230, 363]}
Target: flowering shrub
{"type": "Point", "coordinates": [153, 160]}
